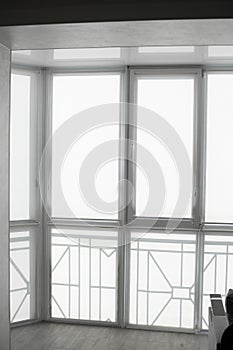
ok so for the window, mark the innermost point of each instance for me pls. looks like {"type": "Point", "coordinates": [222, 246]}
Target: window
{"type": "Point", "coordinates": [20, 145]}
{"type": "Point", "coordinates": [24, 197]}
{"type": "Point", "coordinates": [90, 54]}
{"type": "Point", "coordinates": [166, 49]}
{"type": "Point", "coordinates": [23, 146]}
{"type": "Point", "coordinates": [72, 95]}
{"type": "Point", "coordinates": [219, 165]}
{"type": "Point", "coordinates": [121, 266]}
{"type": "Point", "coordinates": [220, 51]}
{"type": "Point", "coordinates": [172, 98]}
{"type": "Point", "coordinates": [84, 260]}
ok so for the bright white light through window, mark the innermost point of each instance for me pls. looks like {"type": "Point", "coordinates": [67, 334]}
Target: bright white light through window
{"type": "Point", "coordinates": [172, 99]}
{"type": "Point", "coordinates": [71, 95]}
{"type": "Point", "coordinates": [90, 54]}
{"type": "Point", "coordinates": [166, 49]}
{"type": "Point", "coordinates": [20, 147]}
{"type": "Point", "coordinates": [219, 165]}
{"type": "Point", "coordinates": [220, 51]}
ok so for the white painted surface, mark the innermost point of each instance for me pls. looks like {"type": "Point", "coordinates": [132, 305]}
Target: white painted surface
{"type": "Point", "coordinates": [4, 198]}
{"type": "Point", "coordinates": [134, 33]}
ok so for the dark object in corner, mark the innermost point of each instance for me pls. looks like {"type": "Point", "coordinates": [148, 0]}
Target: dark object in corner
{"type": "Point", "coordinates": [229, 306]}
{"type": "Point", "coordinates": [220, 332]}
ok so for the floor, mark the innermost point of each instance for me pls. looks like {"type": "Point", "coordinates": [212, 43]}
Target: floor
{"type": "Point", "coordinates": [51, 336]}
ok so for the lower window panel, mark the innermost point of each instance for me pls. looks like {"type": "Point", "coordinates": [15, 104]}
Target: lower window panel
{"type": "Point", "coordinates": [84, 266]}
{"type": "Point", "coordinates": [22, 275]}
{"type": "Point", "coordinates": [162, 279]}
{"type": "Point", "coordinates": [84, 274]}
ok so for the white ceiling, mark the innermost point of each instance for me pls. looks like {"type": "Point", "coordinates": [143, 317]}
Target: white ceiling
{"type": "Point", "coordinates": [114, 34]}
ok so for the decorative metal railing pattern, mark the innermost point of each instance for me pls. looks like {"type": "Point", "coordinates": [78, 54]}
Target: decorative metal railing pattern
{"type": "Point", "coordinates": [20, 276]}
{"type": "Point", "coordinates": [163, 280]}
{"type": "Point", "coordinates": [84, 275]}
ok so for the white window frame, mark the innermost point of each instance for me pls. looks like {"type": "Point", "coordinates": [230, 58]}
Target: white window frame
{"type": "Point", "coordinates": [80, 223]}
{"type": "Point", "coordinates": [34, 223]}
{"type": "Point", "coordinates": [161, 223]}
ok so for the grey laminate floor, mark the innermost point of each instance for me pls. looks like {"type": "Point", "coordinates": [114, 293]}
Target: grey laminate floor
{"type": "Point", "coordinates": [51, 336]}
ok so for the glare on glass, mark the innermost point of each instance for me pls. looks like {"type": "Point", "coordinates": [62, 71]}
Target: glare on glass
{"type": "Point", "coordinates": [219, 164]}
{"type": "Point", "coordinates": [20, 147]}
{"type": "Point", "coordinates": [173, 100]}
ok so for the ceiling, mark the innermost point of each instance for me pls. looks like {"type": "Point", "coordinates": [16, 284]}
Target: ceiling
{"type": "Point", "coordinates": [119, 34]}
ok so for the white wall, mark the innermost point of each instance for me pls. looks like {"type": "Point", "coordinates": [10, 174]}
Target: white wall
{"type": "Point", "coordinates": [4, 197]}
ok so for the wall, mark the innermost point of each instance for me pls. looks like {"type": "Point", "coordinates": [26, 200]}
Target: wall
{"type": "Point", "coordinates": [4, 197]}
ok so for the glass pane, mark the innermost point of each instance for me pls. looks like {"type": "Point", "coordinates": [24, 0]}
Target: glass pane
{"type": "Point", "coordinates": [162, 279]}
{"type": "Point", "coordinates": [22, 276]}
{"type": "Point", "coordinates": [166, 49]}
{"type": "Point", "coordinates": [173, 100]}
{"type": "Point", "coordinates": [71, 95]}
{"type": "Point", "coordinates": [87, 54]}
{"type": "Point", "coordinates": [19, 147]}
{"type": "Point", "coordinates": [84, 275]}
{"type": "Point", "coordinates": [220, 51]}
{"type": "Point", "coordinates": [218, 270]}
{"type": "Point", "coordinates": [219, 166]}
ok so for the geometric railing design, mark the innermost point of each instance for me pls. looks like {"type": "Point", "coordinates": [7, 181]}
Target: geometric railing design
{"type": "Point", "coordinates": [84, 275]}
{"type": "Point", "coordinates": [20, 275]}
{"type": "Point", "coordinates": [218, 269]}
{"type": "Point", "coordinates": [163, 280]}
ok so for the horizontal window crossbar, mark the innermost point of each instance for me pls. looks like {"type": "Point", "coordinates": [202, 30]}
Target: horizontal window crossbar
{"type": "Point", "coordinates": [24, 223]}
{"type": "Point", "coordinates": [84, 223]}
